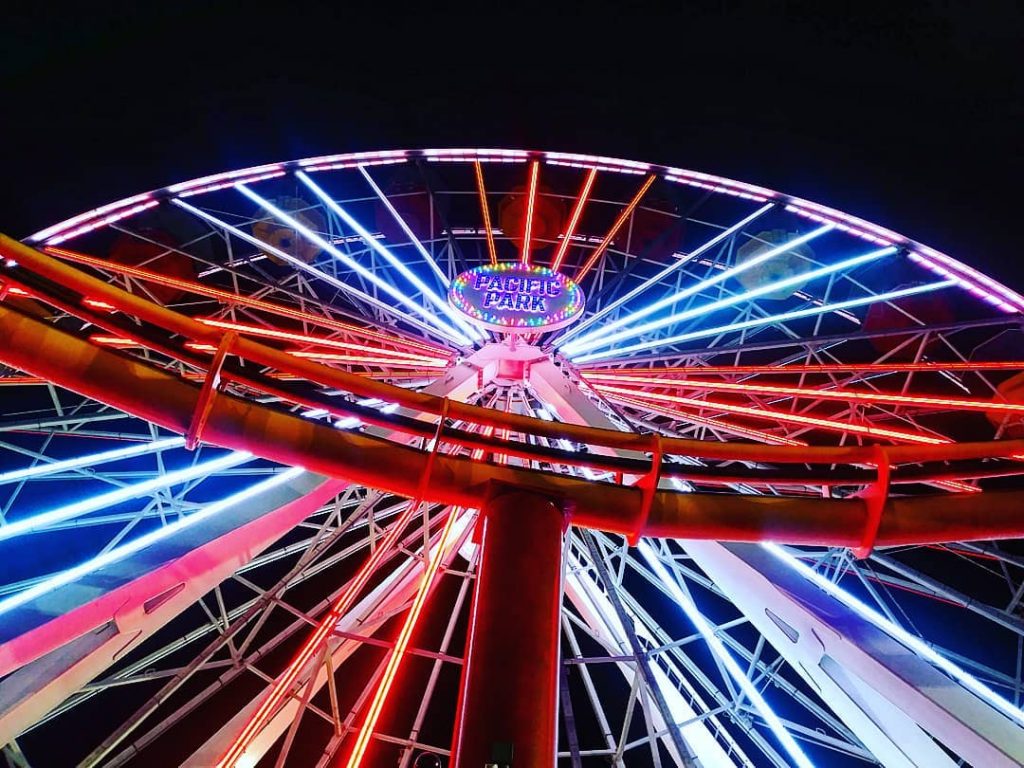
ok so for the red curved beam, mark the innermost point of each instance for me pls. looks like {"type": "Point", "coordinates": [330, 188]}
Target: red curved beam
{"type": "Point", "coordinates": [40, 349]}
{"type": "Point", "coordinates": [69, 278]}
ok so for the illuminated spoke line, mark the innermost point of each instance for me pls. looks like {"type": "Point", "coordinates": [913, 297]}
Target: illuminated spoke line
{"type": "Point", "coordinates": [531, 201]}
{"type": "Point", "coordinates": [612, 635]}
{"type": "Point", "coordinates": [41, 470]}
{"type": "Point", "coordinates": [405, 635]}
{"type": "Point", "coordinates": [405, 227]}
{"type": "Point", "coordinates": [720, 652]}
{"type": "Point", "coordinates": [381, 360]}
{"type": "Point", "coordinates": [897, 632]}
{"type": "Point", "coordinates": [755, 663]}
{"type": "Point", "coordinates": [282, 685]}
{"type": "Point", "coordinates": [231, 298]}
{"type": "Point", "coordinates": [574, 219]}
{"type": "Point", "coordinates": [779, 318]}
{"type": "Point", "coordinates": [600, 337]}
{"type": "Point", "coordinates": [320, 274]}
{"type": "Point", "coordinates": [813, 368]}
{"type": "Point", "coordinates": [39, 522]}
{"type": "Point", "coordinates": [716, 424]}
{"type": "Point", "coordinates": [379, 248]}
{"type": "Point", "coordinates": [367, 274]}
{"type": "Point", "coordinates": [773, 415]}
{"type": "Point", "coordinates": [255, 330]}
{"type": "Point", "coordinates": [485, 211]}
{"type": "Point", "coordinates": [818, 394]}
{"type": "Point", "coordinates": [623, 217]}
{"type": "Point", "coordinates": [678, 414]}
{"type": "Point", "coordinates": [433, 368]}
{"type": "Point", "coordinates": [135, 545]}
{"type": "Point", "coordinates": [687, 258]}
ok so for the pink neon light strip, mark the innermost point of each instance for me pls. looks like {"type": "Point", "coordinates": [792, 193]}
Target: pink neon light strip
{"type": "Point", "coordinates": [764, 413]}
{"type": "Point", "coordinates": [827, 394]}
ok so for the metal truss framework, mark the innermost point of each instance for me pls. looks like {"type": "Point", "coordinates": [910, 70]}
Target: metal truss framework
{"type": "Point", "coordinates": [701, 410]}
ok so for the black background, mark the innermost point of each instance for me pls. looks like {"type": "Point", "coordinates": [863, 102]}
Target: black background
{"type": "Point", "coordinates": [908, 113]}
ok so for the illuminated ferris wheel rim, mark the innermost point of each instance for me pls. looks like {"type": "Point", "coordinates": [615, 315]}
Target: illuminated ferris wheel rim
{"type": "Point", "coordinates": [935, 261]}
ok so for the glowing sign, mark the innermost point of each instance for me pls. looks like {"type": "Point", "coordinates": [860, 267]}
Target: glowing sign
{"type": "Point", "coordinates": [516, 298]}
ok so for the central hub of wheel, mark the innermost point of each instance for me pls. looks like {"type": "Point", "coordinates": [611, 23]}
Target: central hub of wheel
{"type": "Point", "coordinates": [516, 298]}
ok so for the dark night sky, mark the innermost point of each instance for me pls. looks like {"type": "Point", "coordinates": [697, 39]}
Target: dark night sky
{"type": "Point", "coordinates": [909, 114]}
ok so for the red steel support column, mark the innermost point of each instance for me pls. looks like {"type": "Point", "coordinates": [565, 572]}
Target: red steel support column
{"type": "Point", "coordinates": [510, 676]}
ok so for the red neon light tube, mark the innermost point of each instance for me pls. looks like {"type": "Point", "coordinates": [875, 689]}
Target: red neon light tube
{"type": "Point", "coordinates": [485, 211]}
{"type": "Point", "coordinates": [270, 333]}
{"type": "Point", "coordinates": [282, 685]}
{"type": "Point", "coordinates": [765, 413]}
{"type": "Point", "coordinates": [233, 298]}
{"type": "Point", "coordinates": [827, 394]}
{"type": "Point", "coordinates": [623, 216]}
{"type": "Point", "coordinates": [574, 220]}
{"type": "Point", "coordinates": [725, 426]}
{"type": "Point", "coordinates": [823, 368]}
{"type": "Point", "coordinates": [404, 636]}
{"type": "Point", "coordinates": [951, 485]}
{"type": "Point", "coordinates": [531, 202]}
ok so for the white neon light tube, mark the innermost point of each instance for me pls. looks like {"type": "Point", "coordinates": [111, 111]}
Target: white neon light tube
{"type": "Point", "coordinates": [396, 262]}
{"type": "Point", "coordinates": [917, 645]}
{"type": "Point", "coordinates": [135, 545]}
{"type": "Point", "coordinates": [797, 313]}
{"type": "Point", "coordinates": [449, 332]}
{"type": "Point", "coordinates": [405, 227]}
{"type": "Point", "coordinates": [704, 284]}
{"type": "Point", "coordinates": [38, 522]}
{"type": "Point", "coordinates": [718, 648]}
{"type": "Point", "coordinates": [86, 461]}
{"type": "Point", "coordinates": [584, 345]}
{"type": "Point", "coordinates": [700, 250]}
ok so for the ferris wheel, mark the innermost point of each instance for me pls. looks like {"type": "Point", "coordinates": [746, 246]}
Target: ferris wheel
{"type": "Point", "coordinates": [496, 457]}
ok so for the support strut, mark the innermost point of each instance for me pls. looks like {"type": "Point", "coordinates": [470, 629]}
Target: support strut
{"type": "Point", "coordinates": [507, 710]}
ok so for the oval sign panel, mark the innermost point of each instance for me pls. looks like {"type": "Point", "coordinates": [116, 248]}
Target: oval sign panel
{"type": "Point", "coordinates": [516, 298]}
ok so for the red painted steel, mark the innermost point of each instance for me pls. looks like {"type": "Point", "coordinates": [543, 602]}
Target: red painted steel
{"type": "Point", "coordinates": [509, 677]}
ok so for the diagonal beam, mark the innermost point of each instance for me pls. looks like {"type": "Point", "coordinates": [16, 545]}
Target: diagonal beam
{"type": "Point", "coordinates": [795, 314]}
{"type": "Point", "coordinates": [598, 338]}
{"type": "Point", "coordinates": [574, 219]}
{"type": "Point", "coordinates": [317, 273]}
{"type": "Point", "coordinates": [718, 239]}
{"type": "Point", "coordinates": [485, 212]}
{"type": "Point", "coordinates": [616, 226]}
{"type": "Point", "coordinates": [405, 227]}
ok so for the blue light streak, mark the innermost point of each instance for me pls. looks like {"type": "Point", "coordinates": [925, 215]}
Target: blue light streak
{"type": "Point", "coordinates": [696, 288]}
{"type": "Point", "coordinates": [718, 648]}
{"type": "Point", "coordinates": [41, 520]}
{"type": "Point", "coordinates": [913, 642]}
{"type": "Point", "coordinates": [795, 314]}
{"type": "Point", "coordinates": [120, 553]}
{"type": "Point", "coordinates": [397, 263]}
{"type": "Point", "coordinates": [441, 327]}
{"type": "Point", "coordinates": [52, 468]}
{"type": "Point", "coordinates": [584, 345]}
{"type": "Point", "coordinates": [686, 259]}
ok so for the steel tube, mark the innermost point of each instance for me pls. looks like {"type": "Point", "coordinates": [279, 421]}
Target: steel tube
{"type": "Point", "coordinates": [507, 698]}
